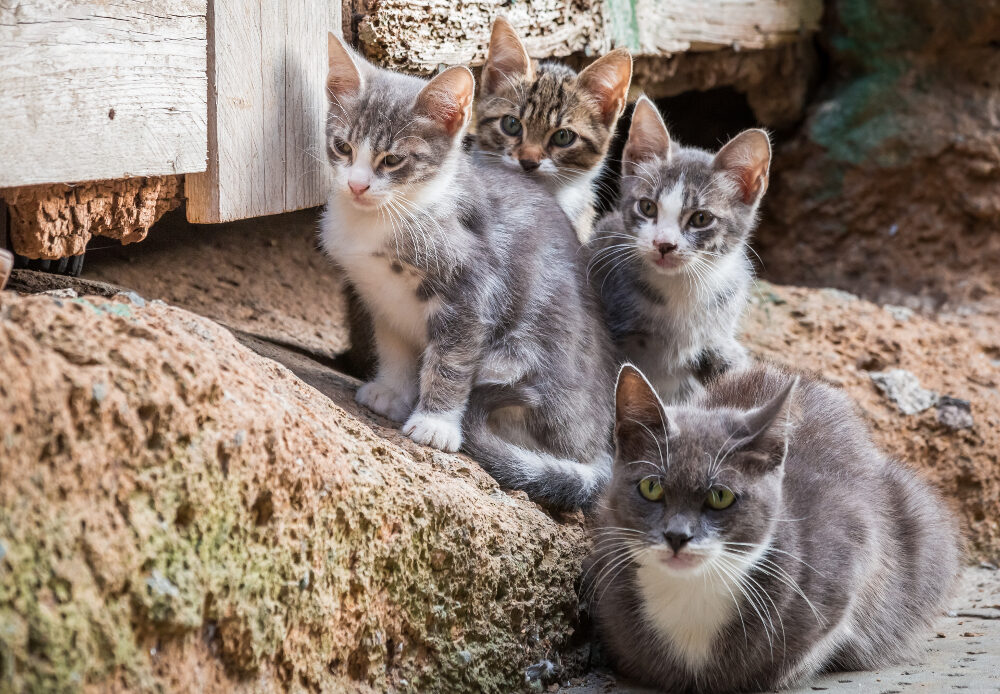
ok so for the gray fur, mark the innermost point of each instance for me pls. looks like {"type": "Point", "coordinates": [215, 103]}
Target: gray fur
{"type": "Point", "coordinates": [678, 324]}
{"type": "Point", "coordinates": [832, 556]}
{"type": "Point", "coordinates": [487, 331]}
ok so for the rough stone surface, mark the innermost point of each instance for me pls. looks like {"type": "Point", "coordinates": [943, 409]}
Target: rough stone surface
{"type": "Point", "coordinates": [57, 220]}
{"type": "Point", "coordinates": [890, 188]}
{"type": "Point", "coordinates": [178, 513]}
{"type": "Point", "coordinates": [903, 388]}
{"type": "Point", "coordinates": [845, 339]}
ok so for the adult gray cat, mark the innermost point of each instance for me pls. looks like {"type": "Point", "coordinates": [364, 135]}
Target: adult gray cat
{"type": "Point", "coordinates": [487, 333]}
{"type": "Point", "coordinates": [758, 536]}
{"type": "Point", "coordinates": [671, 263]}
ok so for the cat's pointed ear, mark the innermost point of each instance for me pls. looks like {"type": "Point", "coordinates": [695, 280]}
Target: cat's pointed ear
{"type": "Point", "coordinates": [765, 429]}
{"type": "Point", "coordinates": [647, 136]}
{"type": "Point", "coordinates": [607, 80]}
{"type": "Point", "coordinates": [640, 419]}
{"type": "Point", "coordinates": [344, 77]}
{"type": "Point", "coordinates": [506, 58]}
{"type": "Point", "coordinates": [447, 99]}
{"type": "Point", "coordinates": [747, 160]}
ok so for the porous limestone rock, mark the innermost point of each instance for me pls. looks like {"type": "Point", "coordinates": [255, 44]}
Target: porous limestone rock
{"type": "Point", "coordinates": [178, 513]}
{"type": "Point", "coordinates": [57, 220]}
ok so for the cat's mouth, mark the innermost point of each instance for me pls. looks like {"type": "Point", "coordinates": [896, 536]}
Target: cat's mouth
{"type": "Point", "coordinates": [682, 560]}
{"type": "Point", "coordinates": [668, 262]}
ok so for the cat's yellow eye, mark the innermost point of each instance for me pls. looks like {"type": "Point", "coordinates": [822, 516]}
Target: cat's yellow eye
{"type": "Point", "coordinates": [651, 489]}
{"type": "Point", "coordinates": [342, 147]}
{"type": "Point", "coordinates": [563, 137]}
{"type": "Point", "coordinates": [720, 498]}
{"type": "Point", "coordinates": [510, 125]}
{"type": "Point", "coordinates": [700, 219]}
{"type": "Point", "coordinates": [647, 208]}
{"type": "Point", "coordinates": [392, 160]}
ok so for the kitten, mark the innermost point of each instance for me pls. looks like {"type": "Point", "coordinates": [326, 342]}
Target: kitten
{"type": "Point", "coordinates": [671, 263]}
{"type": "Point", "coordinates": [487, 333]}
{"type": "Point", "coordinates": [548, 121]}
{"type": "Point", "coordinates": [757, 536]}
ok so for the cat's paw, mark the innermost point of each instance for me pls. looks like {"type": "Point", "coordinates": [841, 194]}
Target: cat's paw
{"type": "Point", "coordinates": [442, 431]}
{"type": "Point", "coordinates": [385, 401]}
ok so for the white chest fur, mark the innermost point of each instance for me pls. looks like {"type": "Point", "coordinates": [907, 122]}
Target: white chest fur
{"type": "Point", "coordinates": [687, 612]}
{"type": "Point", "coordinates": [387, 287]}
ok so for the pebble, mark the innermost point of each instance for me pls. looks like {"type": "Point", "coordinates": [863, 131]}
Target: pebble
{"type": "Point", "coordinates": [904, 389]}
{"type": "Point", "coordinates": [954, 413]}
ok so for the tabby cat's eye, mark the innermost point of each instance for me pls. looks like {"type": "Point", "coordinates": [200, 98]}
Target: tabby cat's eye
{"type": "Point", "coordinates": [651, 489]}
{"type": "Point", "coordinates": [510, 125]}
{"type": "Point", "coordinates": [392, 159]}
{"type": "Point", "coordinates": [342, 147]}
{"type": "Point", "coordinates": [720, 498]}
{"type": "Point", "coordinates": [647, 208]}
{"type": "Point", "coordinates": [700, 219]}
{"type": "Point", "coordinates": [563, 137]}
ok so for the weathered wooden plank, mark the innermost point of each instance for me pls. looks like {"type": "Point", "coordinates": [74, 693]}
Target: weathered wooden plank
{"type": "Point", "coordinates": [661, 27]}
{"type": "Point", "coordinates": [267, 77]}
{"type": "Point", "coordinates": [98, 90]}
{"type": "Point", "coordinates": [420, 35]}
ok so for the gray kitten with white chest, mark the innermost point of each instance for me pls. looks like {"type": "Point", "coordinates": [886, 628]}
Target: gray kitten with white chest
{"type": "Point", "coordinates": [671, 262]}
{"type": "Point", "coordinates": [488, 336]}
{"type": "Point", "coordinates": [757, 536]}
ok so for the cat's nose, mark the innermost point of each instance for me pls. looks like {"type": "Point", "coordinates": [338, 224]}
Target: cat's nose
{"type": "Point", "coordinates": [357, 188]}
{"type": "Point", "coordinates": [528, 164]}
{"type": "Point", "coordinates": [676, 540]}
{"type": "Point", "coordinates": [665, 248]}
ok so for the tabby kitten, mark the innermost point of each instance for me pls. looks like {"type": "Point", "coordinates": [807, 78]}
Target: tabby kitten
{"type": "Point", "coordinates": [671, 263]}
{"type": "Point", "coordinates": [548, 121]}
{"type": "Point", "coordinates": [757, 536]}
{"type": "Point", "coordinates": [487, 333]}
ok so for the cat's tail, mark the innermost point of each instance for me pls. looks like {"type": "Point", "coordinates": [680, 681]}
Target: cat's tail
{"type": "Point", "coordinates": [559, 482]}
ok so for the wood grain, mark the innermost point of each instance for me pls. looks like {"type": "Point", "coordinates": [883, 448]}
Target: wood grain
{"type": "Point", "coordinates": [267, 76]}
{"type": "Point", "coordinates": [98, 90]}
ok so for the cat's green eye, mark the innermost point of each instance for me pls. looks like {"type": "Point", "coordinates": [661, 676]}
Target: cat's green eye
{"type": "Point", "coordinates": [651, 489]}
{"type": "Point", "coordinates": [720, 498]}
{"type": "Point", "coordinates": [392, 160]}
{"type": "Point", "coordinates": [700, 219]}
{"type": "Point", "coordinates": [510, 125]}
{"type": "Point", "coordinates": [647, 208]}
{"type": "Point", "coordinates": [342, 147]}
{"type": "Point", "coordinates": [563, 137]}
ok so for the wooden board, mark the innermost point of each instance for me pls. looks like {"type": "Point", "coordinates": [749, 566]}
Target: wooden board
{"type": "Point", "coordinates": [658, 27]}
{"type": "Point", "coordinates": [267, 106]}
{"type": "Point", "coordinates": [97, 90]}
{"type": "Point", "coordinates": [421, 35]}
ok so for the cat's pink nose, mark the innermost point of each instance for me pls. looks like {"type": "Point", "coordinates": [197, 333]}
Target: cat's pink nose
{"type": "Point", "coordinates": [357, 188]}
{"type": "Point", "coordinates": [665, 248]}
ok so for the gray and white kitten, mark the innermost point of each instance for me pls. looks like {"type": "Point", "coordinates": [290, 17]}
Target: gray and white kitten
{"type": "Point", "coordinates": [550, 122]}
{"type": "Point", "coordinates": [757, 536]}
{"type": "Point", "coordinates": [671, 263]}
{"type": "Point", "coordinates": [488, 335]}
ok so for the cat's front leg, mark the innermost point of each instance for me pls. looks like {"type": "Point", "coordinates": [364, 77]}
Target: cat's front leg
{"type": "Point", "coordinates": [393, 391]}
{"type": "Point", "coordinates": [449, 365]}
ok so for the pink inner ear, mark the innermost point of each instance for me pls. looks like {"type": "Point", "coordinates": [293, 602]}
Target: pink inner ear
{"type": "Point", "coordinates": [752, 182]}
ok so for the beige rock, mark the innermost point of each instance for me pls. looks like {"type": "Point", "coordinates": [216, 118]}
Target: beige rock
{"type": "Point", "coordinates": [178, 512]}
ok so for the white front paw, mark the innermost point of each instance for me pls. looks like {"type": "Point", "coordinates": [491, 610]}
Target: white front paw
{"type": "Point", "coordinates": [384, 400]}
{"type": "Point", "coordinates": [443, 431]}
